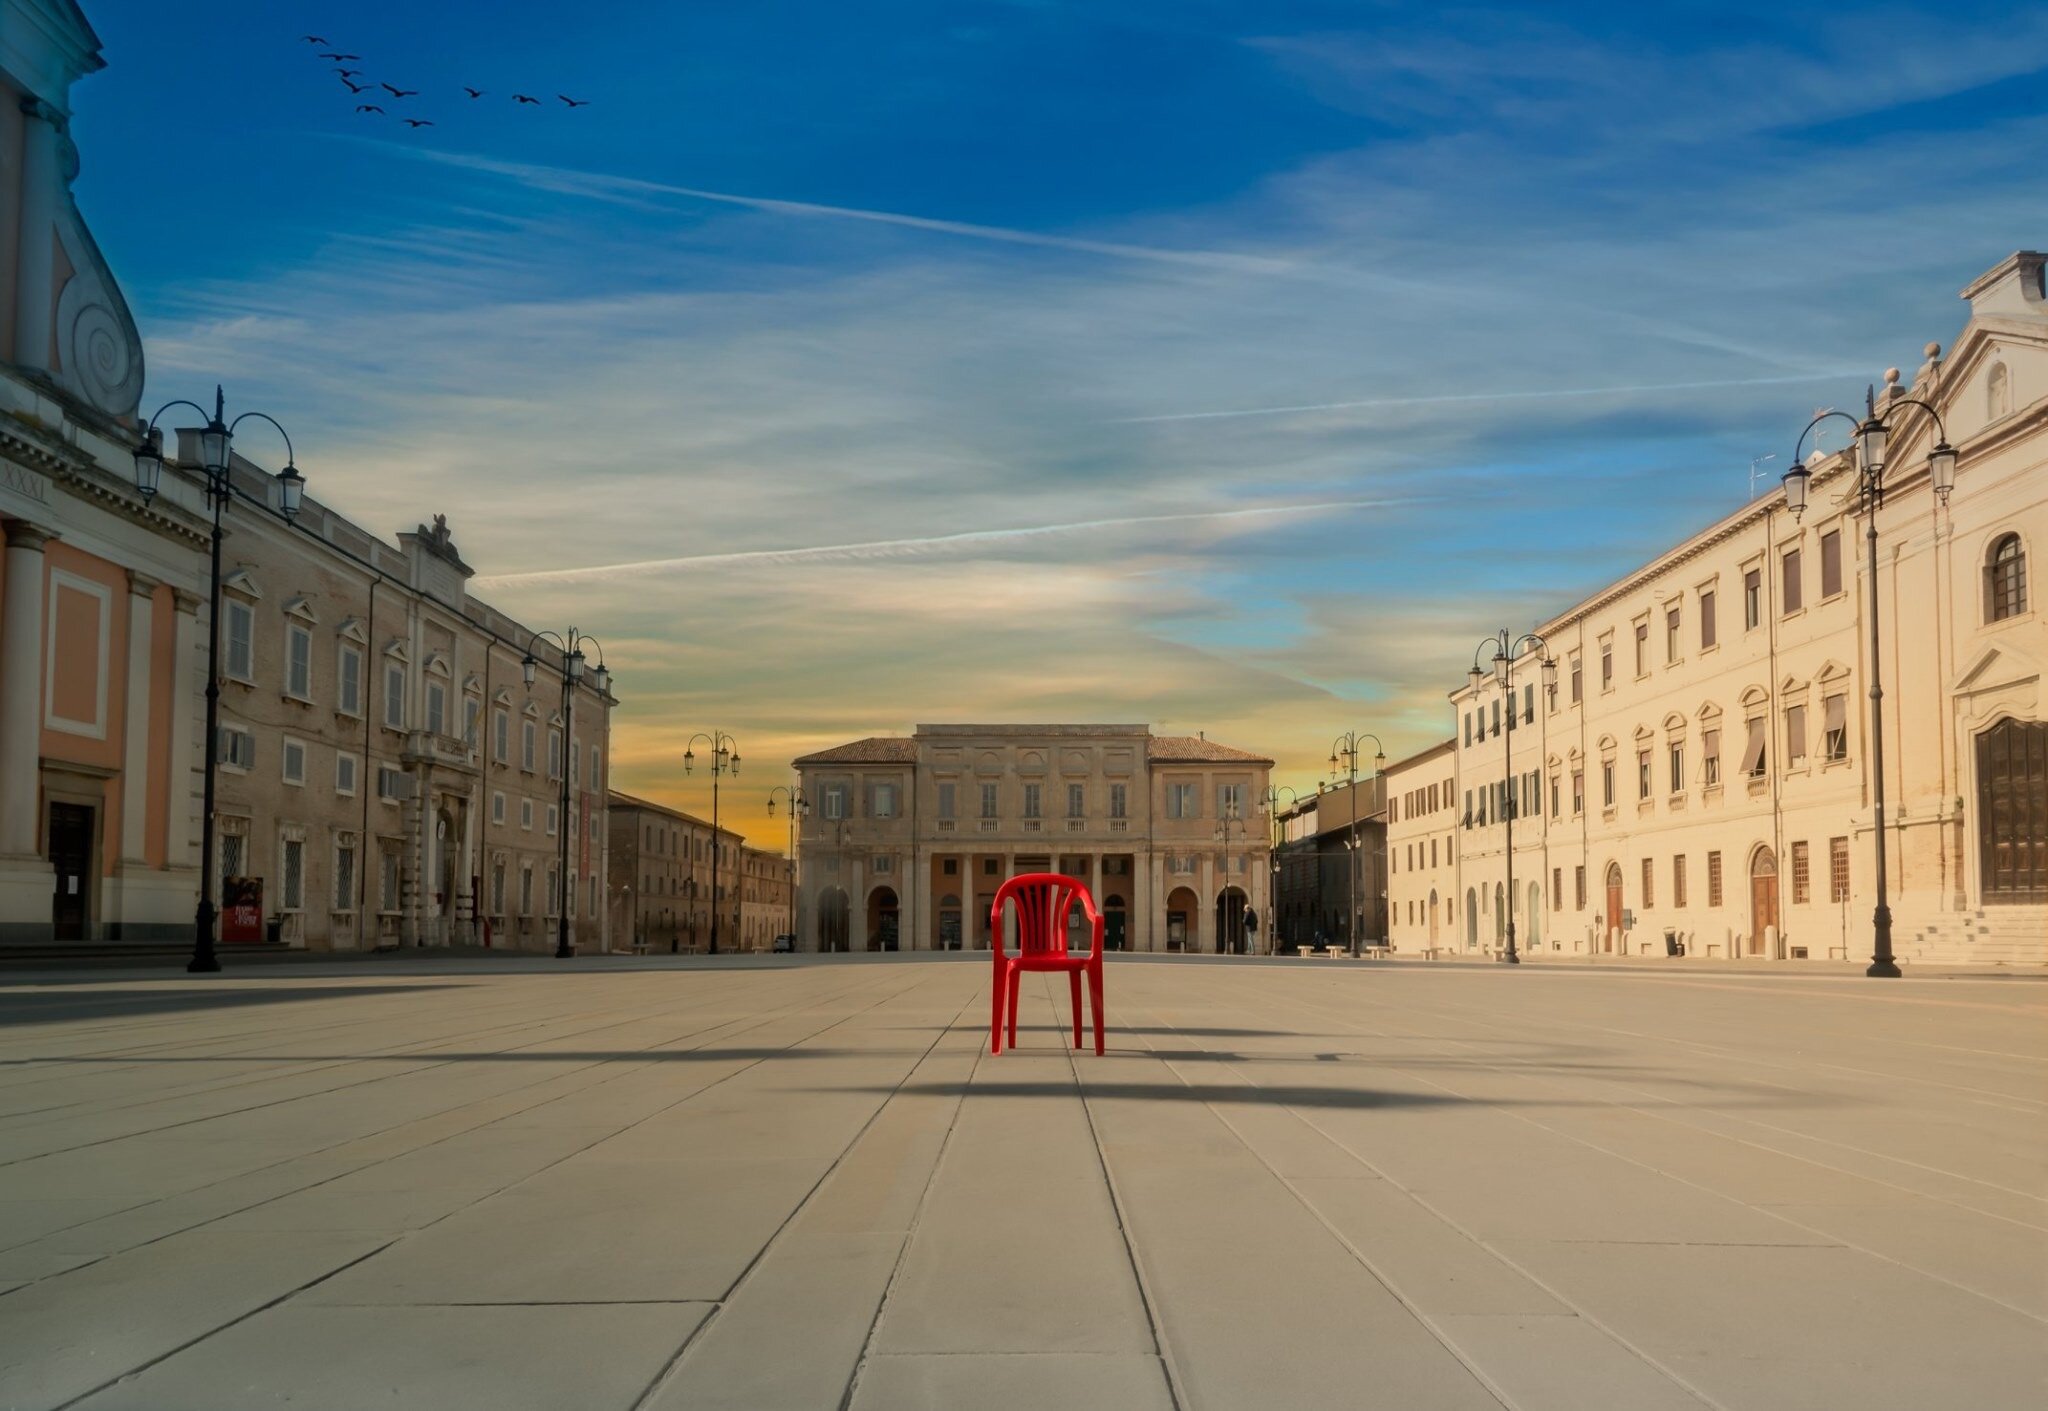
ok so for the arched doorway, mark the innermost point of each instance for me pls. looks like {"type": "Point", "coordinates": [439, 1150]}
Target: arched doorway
{"type": "Point", "coordinates": [1763, 899]}
{"type": "Point", "coordinates": [882, 917]}
{"type": "Point", "coordinates": [949, 922]}
{"type": "Point", "coordinates": [1181, 904]}
{"type": "Point", "coordinates": [1230, 907]}
{"type": "Point", "coordinates": [1471, 919]}
{"type": "Point", "coordinates": [834, 917]}
{"type": "Point", "coordinates": [1535, 936]}
{"type": "Point", "coordinates": [1432, 916]}
{"type": "Point", "coordinates": [1115, 924]}
{"type": "Point", "coordinates": [1612, 936]}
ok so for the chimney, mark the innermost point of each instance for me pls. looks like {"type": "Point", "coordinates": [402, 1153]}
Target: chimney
{"type": "Point", "coordinates": [2012, 286]}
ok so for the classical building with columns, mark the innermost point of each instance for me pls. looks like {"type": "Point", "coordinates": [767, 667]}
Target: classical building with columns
{"type": "Point", "coordinates": [908, 837]}
{"type": "Point", "coordinates": [100, 594]}
{"type": "Point", "coordinates": [1704, 774]}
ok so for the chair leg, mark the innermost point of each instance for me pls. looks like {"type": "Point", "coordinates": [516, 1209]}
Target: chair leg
{"type": "Point", "coordinates": [1016, 984]}
{"type": "Point", "coordinates": [1095, 1000]}
{"type": "Point", "coordinates": [1074, 976]}
{"type": "Point", "coordinates": [998, 990]}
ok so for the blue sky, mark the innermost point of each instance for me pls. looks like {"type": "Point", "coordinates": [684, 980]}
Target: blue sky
{"type": "Point", "coordinates": [1233, 367]}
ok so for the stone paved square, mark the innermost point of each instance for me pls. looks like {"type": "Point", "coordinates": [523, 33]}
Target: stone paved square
{"type": "Point", "coordinates": [802, 1182]}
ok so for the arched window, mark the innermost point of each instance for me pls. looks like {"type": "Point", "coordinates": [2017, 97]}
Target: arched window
{"type": "Point", "coordinates": [2005, 580]}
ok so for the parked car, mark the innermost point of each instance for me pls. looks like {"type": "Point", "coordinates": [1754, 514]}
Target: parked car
{"type": "Point", "coordinates": [785, 944]}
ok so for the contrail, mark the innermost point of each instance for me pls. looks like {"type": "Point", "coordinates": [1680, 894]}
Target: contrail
{"type": "Point", "coordinates": [602, 185]}
{"type": "Point", "coordinates": [1538, 394]}
{"type": "Point", "coordinates": [891, 548]}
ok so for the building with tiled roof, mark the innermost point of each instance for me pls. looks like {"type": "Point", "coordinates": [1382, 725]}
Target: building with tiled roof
{"type": "Point", "coordinates": [908, 837]}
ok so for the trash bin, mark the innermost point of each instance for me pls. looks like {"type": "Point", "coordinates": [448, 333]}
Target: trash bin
{"type": "Point", "coordinates": [1672, 945]}
{"type": "Point", "coordinates": [273, 930]}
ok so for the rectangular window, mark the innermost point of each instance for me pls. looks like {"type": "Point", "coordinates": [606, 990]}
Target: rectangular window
{"type": "Point", "coordinates": [1642, 774]}
{"type": "Point", "coordinates": [1713, 879]}
{"type": "Point", "coordinates": [501, 735]}
{"type": "Point", "coordinates": [947, 799]}
{"type": "Point", "coordinates": [1117, 801]}
{"type": "Point", "coordinates": [394, 697]}
{"type": "Point", "coordinates": [1467, 818]}
{"type": "Point", "coordinates": [498, 887]}
{"type": "Point", "coordinates": [1752, 597]}
{"type": "Point", "coordinates": [1607, 666]}
{"type": "Point", "coordinates": [1649, 883]}
{"type": "Point", "coordinates": [1802, 879]}
{"type": "Point", "coordinates": [1671, 634]}
{"type": "Point", "coordinates": [1831, 563]}
{"type": "Point", "coordinates": [1835, 724]}
{"type": "Point", "coordinates": [292, 762]}
{"type": "Point", "coordinates": [344, 774]}
{"type": "Point", "coordinates": [554, 812]}
{"type": "Point", "coordinates": [1676, 755]}
{"type": "Point", "coordinates": [292, 862]}
{"type": "Point", "coordinates": [1607, 783]}
{"type": "Point", "coordinates": [1556, 797]}
{"type": "Point", "coordinates": [1578, 792]}
{"type": "Point", "coordinates": [392, 784]}
{"type": "Point", "coordinates": [1557, 889]}
{"type": "Point", "coordinates": [1230, 800]}
{"type": "Point", "coordinates": [988, 801]}
{"type": "Point", "coordinates": [1578, 679]}
{"type": "Point", "coordinates": [554, 754]}
{"type": "Point", "coordinates": [1838, 869]}
{"type": "Point", "coordinates": [437, 708]}
{"type": "Point", "coordinates": [387, 880]}
{"type": "Point", "coordinates": [349, 697]}
{"type": "Point", "coordinates": [1579, 887]}
{"type": "Point", "coordinates": [1795, 736]}
{"type": "Point", "coordinates": [1181, 801]}
{"type": "Point", "coordinates": [298, 662]}
{"type": "Point", "coordinates": [1710, 758]}
{"type": "Point", "coordinates": [527, 734]}
{"type": "Point", "coordinates": [1077, 801]}
{"type": "Point", "coordinates": [1753, 752]}
{"type": "Point", "coordinates": [526, 814]}
{"type": "Point", "coordinates": [1496, 717]}
{"type": "Point", "coordinates": [1706, 618]}
{"type": "Point", "coordinates": [1792, 581]}
{"type": "Point", "coordinates": [237, 747]}
{"type": "Point", "coordinates": [345, 876]}
{"type": "Point", "coordinates": [885, 801]}
{"type": "Point", "coordinates": [1678, 880]}
{"type": "Point", "coordinates": [526, 891]}
{"type": "Point", "coordinates": [1468, 727]}
{"type": "Point", "coordinates": [238, 631]}
{"type": "Point", "coordinates": [1642, 648]}
{"type": "Point", "coordinates": [1031, 793]}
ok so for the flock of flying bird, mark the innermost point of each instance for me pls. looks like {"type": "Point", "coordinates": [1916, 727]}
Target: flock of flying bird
{"type": "Point", "coordinates": [349, 77]}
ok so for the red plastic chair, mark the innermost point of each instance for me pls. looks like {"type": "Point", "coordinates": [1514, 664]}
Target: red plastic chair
{"type": "Point", "coordinates": [1043, 900]}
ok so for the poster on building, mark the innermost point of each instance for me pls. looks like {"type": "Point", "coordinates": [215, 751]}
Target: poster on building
{"type": "Point", "coordinates": [241, 912]}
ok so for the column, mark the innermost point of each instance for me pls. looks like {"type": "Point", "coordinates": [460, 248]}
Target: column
{"type": "Point", "coordinates": [1205, 906]}
{"type": "Point", "coordinates": [26, 879]}
{"type": "Point", "coordinates": [469, 867]}
{"type": "Point", "coordinates": [927, 938]}
{"type": "Point", "coordinates": [135, 749]}
{"type": "Point", "coordinates": [1151, 923]}
{"type": "Point", "coordinates": [42, 179]}
{"type": "Point", "coordinates": [188, 688]}
{"type": "Point", "coordinates": [856, 907]}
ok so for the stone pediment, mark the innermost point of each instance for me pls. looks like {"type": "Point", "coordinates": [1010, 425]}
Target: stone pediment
{"type": "Point", "coordinates": [1997, 667]}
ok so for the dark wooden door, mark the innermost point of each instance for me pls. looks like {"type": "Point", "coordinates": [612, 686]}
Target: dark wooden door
{"type": "Point", "coordinates": [71, 855]}
{"type": "Point", "coordinates": [1763, 900]}
{"type": "Point", "coordinates": [2012, 811]}
{"type": "Point", "coordinates": [1613, 908]}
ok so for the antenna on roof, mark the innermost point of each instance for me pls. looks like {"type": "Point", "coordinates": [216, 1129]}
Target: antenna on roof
{"type": "Point", "coordinates": [1754, 463]}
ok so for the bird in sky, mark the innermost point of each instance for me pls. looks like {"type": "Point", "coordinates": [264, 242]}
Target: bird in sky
{"type": "Point", "coordinates": [419, 122]}
{"type": "Point", "coordinates": [350, 73]}
{"type": "Point", "coordinates": [368, 108]}
{"type": "Point", "coordinates": [522, 98]}
{"type": "Point", "coordinates": [398, 92]}
{"type": "Point", "coordinates": [315, 39]}
{"type": "Point", "coordinates": [574, 102]}
{"type": "Point", "coordinates": [342, 58]}
{"type": "Point", "coordinates": [355, 87]}
{"type": "Point", "coordinates": [472, 92]}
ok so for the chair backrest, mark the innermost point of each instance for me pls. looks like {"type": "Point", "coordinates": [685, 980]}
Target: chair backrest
{"type": "Point", "coordinates": [1043, 900]}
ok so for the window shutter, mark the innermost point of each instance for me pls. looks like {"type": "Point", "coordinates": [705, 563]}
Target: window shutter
{"type": "Point", "coordinates": [1753, 751]}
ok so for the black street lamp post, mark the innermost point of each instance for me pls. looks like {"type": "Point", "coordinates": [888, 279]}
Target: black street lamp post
{"type": "Point", "coordinates": [1232, 818]}
{"type": "Point", "coordinates": [1872, 435]}
{"type": "Point", "coordinates": [1344, 749]}
{"type": "Point", "coordinates": [1275, 919]}
{"type": "Point", "coordinates": [1505, 650]}
{"type": "Point", "coordinates": [572, 674]}
{"type": "Point", "coordinates": [216, 442]}
{"type": "Point", "coordinates": [799, 807]}
{"type": "Point", "coordinates": [725, 759]}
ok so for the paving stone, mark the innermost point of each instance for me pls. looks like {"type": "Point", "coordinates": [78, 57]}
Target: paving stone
{"type": "Point", "coordinates": [1010, 1382]}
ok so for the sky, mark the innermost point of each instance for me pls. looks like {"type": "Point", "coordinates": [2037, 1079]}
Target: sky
{"type": "Point", "coordinates": [1231, 367]}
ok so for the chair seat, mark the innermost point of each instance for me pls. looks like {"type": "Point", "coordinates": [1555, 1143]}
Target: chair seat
{"type": "Point", "coordinates": [1043, 961]}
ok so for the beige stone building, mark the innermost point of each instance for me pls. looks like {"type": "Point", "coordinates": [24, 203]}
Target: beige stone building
{"type": "Point", "coordinates": [1704, 769]}
{"type": "Point", "coordinates": [670, 870]}
{"type": "Point", "coordinates": [1422, 849]}
{"type": "Point", "coordinates": [908, 837]}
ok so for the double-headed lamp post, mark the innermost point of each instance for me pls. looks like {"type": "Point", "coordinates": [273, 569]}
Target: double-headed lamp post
{"type": "Point", "coordinates": [1505, 650]}
{"type": "Point", "coordinates": [1273, 858]}
{"type": "Point", "coordinates": [573, 663]}
{"type": "Point", "coordinates": [725, 759]}
{"type": "Point", "coordinates": [216, 443]}
{"type": "Point", "coordinates": [1873, 434]}
{"type": "Point", "coordinates": [799, 807]}
{"type": "Point", "coordinates": [1232, 817]}
{"type": "Point", "coordinates": [1344, 751]}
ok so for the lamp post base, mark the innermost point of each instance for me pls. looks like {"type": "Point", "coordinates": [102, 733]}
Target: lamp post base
{"type": "Point", "coordinates": [1883, 966]}
{"type": "Point", "coordinates": [205, 960]}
